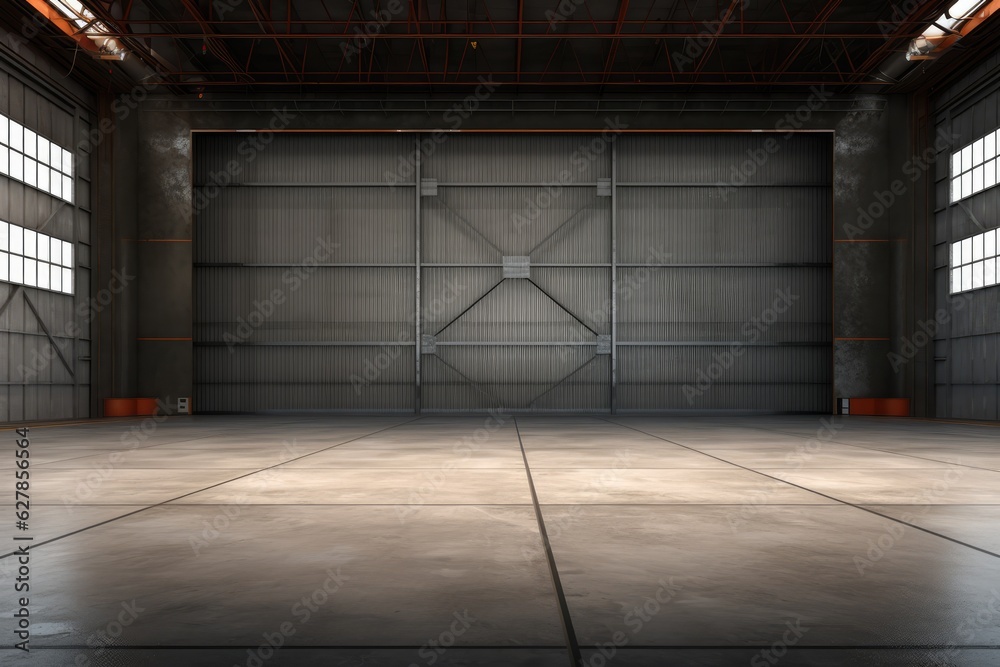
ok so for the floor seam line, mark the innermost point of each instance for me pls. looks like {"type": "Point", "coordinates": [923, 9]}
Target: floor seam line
{"type": "Point", "coordinates": [833, 498]}
{"type": "Point", "coordinates": [572, 644]}
{"type": "Point", "coordinates": [210, 486]}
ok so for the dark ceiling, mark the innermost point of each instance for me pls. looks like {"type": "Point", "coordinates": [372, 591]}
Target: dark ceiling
{"type": "Point", "coordinates": [550, 46]}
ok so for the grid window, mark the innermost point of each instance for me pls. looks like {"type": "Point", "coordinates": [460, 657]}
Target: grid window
{"type": "Point", "coordinates": [34, 160]}
{"type": "Point", "coordinates": [975, 262]}
{"type": "Point", "coordinates": [35, 259]}
{"type": "Point", "coordinates": [974, 168]}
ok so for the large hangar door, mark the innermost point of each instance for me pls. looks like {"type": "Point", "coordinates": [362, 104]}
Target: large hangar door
{"type": "Point", "coordinates": [563, 272]}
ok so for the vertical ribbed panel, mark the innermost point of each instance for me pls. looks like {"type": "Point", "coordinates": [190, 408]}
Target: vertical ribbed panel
{"type": "Point", "coordinates": [303, 158]}
{"type": "Point", "coordinates": [262, 333]}
{"type": "Point", "coordinates": [42, 388]}
{"type": "Point", "coordinates": [515, 311]}
{"type": "Point", "coordinates": [516, 378]}
{"type": "Point", "coordinates": [760, 365]}
{"type": "Point", "coordinates": [725, 199]}
{"type": "Point", "coordinates": [790, 397]}
{"type": "Point", "coordinates": [464, 224]}
{"type": "Point", "coordinates": [285, 305]}
{"type": "Point", "coordinates": [726, 304]}
{"type": "Point", "coordinates": [706, 225]}
{"type": "Point", "coordinates": [732, 158]}
{"type": "Point", "coordinates": [447, 292]}
{"type": "Point", "coordinates": [585, 292]}
{"type": "Point", "coordinates": [513, 158]}
{"type": "Point", "coordinates": [357, 365]}
{"type": "Point", "coordinates": [965, 370]}
{"type": "Point", "coordinates": [285, 224]}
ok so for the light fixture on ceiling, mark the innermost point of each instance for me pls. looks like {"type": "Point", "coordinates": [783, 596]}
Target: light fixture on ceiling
{"type": "Point", "coordinates": [946, 29]}
{"type": "Point", "coordinates": [922, 47]}
{"type": "Point", "coordinates": [83, 22]}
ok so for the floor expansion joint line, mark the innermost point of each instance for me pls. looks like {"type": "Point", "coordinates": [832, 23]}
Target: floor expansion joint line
{"type": "Point", "coordinates": [874, 449]}
{"type": "Point", "coordinates": [518, 647]}
{"type": "Point", "coordinates": [572, 645]}
{"type": "Point", "coordinates": [818, 493]}
{"type": "Point", "coordinates": [211, 486]}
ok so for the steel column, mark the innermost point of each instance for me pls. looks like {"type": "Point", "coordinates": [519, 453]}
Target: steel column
{"type": "Point", "coordinates": [418, 339]}
{"type": "Point", "coordinates": [614, 277]}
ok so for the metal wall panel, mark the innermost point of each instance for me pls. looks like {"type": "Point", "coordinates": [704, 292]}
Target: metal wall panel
{"type": "Point", "coordinates": [736, 159]}
{"type": "Point", "coordinates": [716, 225]}
{"type": "Point", "coordinates": [697, 260]}
{"type": "Point", "coordinates": [35, 382]}
{"type": "Point", "coordinates": [729, 240]}
{"type": "Point", "coordinates": [765, 304]}
{"type": "Point", "coordinates": [513, 158]}
{"type": "Point", "coordinates": [966, 350]}
{"type": "Point", "coordinates": [301, 158]}
{"type": "Point", "coordinates": [290, 305]}
{"type": "Point", "coordinates": [269, 225]}
{"type": "Point", "coordinates": [302, 295]}
{"type": "Point", "coordinates": [481, 224]}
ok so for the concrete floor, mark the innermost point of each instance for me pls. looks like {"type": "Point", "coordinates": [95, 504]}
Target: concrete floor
{"type": "Point", "coordinates": [360, 541]}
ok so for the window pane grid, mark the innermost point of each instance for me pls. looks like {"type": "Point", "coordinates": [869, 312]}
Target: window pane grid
{"type": "Point", "coordinates": [35, 259]}
{"type": "Point", "coordinates": [974, 168]}
{"type": "Point", "coordinates": [32, 159]}
{"type": "Point", "coordinates": [975, 262]}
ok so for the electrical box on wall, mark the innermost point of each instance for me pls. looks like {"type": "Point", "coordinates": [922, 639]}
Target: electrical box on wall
{"type": "Point", "coordinates": [183, 406]}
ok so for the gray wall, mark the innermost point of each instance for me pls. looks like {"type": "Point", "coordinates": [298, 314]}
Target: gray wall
{"type": "Point", "coordinates": [45, 337]}
{"type": "Point", "coordinates": [966, 346]}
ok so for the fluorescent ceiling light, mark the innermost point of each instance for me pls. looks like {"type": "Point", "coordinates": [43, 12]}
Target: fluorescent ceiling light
{"type": "Point", "coordinates": [76, 13]}
{"type": "Point", "coordinates": [957, 13]}
{"type": "Point", "coordinates": [944, 27]}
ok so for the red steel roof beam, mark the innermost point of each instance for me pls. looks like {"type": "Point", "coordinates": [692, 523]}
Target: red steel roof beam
{"type": "Point", "coordinates": [820, 21]}
{"type": "Point", "coordinates": [613, 49]}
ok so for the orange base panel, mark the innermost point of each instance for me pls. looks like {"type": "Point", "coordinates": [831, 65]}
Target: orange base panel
{"type": "Point", "coordinates": [882, 407]}
{"type": "Point", "coordinates": [130, 407]}
{"type": "Point", "coordinates": [145, 407]}
{"type": "Point", "coordinates": [119, 407]}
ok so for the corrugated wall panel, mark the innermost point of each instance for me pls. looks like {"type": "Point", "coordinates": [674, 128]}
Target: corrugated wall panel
{"type": "Point", "coordinates": [724, 364]}
{"type": "Point", "coordinates": [296, 397]}
{"type": "Point", "coordinates": [734, 158]}
{"type": "Point", "coordinates": [734, 397]}
{"type": "Point", "coordinates": [42, 387]}
{"type": "Point", "coordinates": [267, 304]}
{"type": "Point", "coordinates": [726, 304]}
{"type": "Point", "coordinates": [773, 225]}
{"type": "Point", "coordinates": [515, 311]}
{"type": "Point", "coordinates": [516, 378]}
{"type": "Point", "coordinates": [303, 158]}
{"type": "Point", "coordinates": [966, 374]}
{"type": "Point", "coordinates": [512, 158]}
{"type": "Point", "coordinates": [447, 292]}
{"type": "Point", "coordinates": [361, 366]}
{"type": "Point", "coordinates": [583, 291]}
{"type": "Point", "coordinates": [565, 225]}
{"type": "Point", "coordinates": [279, 337]}
{"type": "Point", "coordinates": [292, 224]}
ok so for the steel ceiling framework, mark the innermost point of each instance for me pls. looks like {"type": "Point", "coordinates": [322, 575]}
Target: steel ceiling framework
{"type": "Point", "coordinates": [585, 45]}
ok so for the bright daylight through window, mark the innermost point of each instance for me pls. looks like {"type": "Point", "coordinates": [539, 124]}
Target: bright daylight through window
{"type": "Point", "coordinates": [32, 159]}
{"type": "Point", "coordinates": [34, 259]}
{"type": "Point", "coordinates": [974, 262]}
{"type": "Point", "coordinates": [974, 167]}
